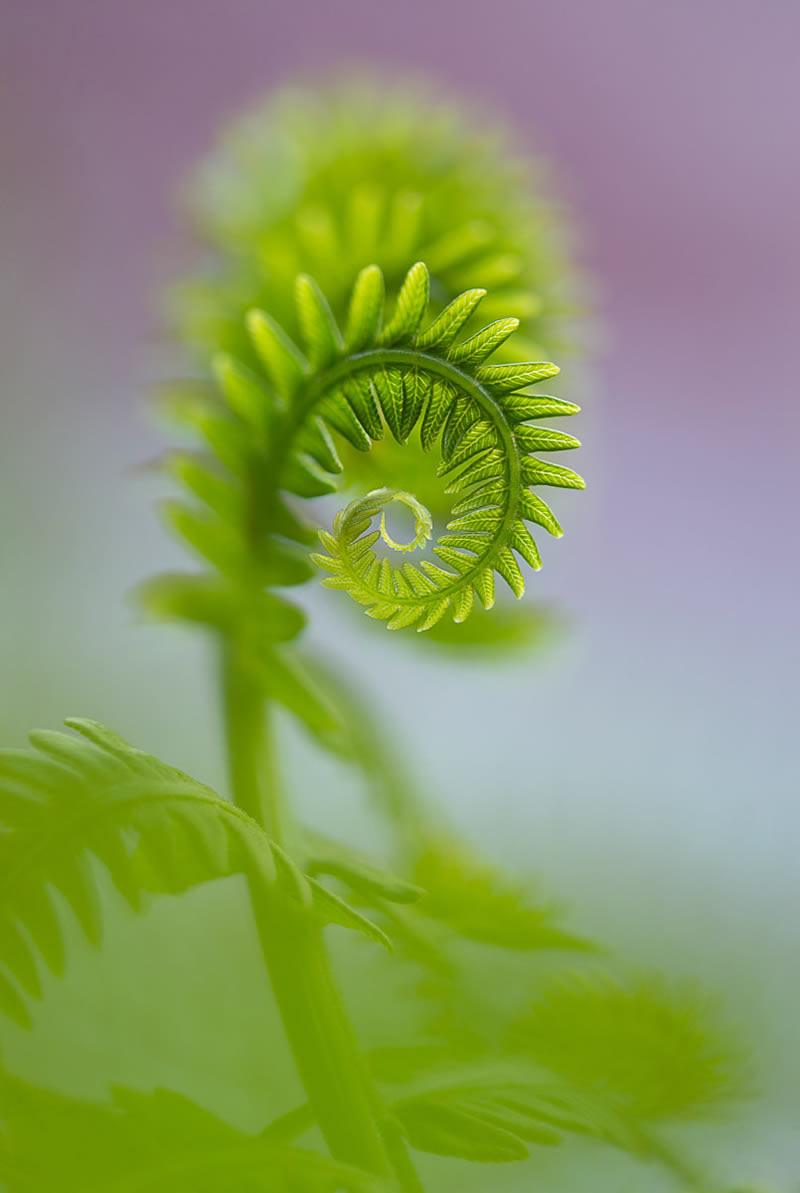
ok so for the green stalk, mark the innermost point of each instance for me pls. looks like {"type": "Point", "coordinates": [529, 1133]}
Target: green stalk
{"type": "Point", "coordinates": [255, 783]}
{"type": "Point", "coordinates": [325, 1050]}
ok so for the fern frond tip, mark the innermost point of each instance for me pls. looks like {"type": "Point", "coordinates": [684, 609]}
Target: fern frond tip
{"type": "Point", "coordinates": [397, 375]}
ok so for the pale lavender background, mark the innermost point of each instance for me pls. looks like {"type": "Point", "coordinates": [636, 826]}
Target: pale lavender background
{"type": "Point", "coordinates": [664, 735]}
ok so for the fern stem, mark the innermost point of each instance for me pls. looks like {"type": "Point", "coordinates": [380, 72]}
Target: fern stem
{"type": "Point", "coordinates": [255, 783]}
{"type": "Point", "coordinates": [323, 1044]}
{"type": "Point", "coordinates": [325, 1051]}
{"type": "Point", "coordinates": [401, 1161]}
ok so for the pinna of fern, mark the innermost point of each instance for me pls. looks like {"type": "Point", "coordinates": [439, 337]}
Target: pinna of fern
{"type": "Point", "coordinates": [274, 439]}
{"type": "Point", "coordinates": [75, 801]}
{"type": "Point", "coordinates": [589, 1057]}
{"type": "Point", "coordinates": [159, 1141]}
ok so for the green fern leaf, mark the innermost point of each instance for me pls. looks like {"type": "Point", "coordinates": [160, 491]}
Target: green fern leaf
{"type": "Point", "coordinates": [304, 477]}
{"type": "Point", "coordinates": [245, 392]}
{"type": "Point", "coordinates": [478, 347]}
{"type": "Point", "coordinates": [321, 335]}
{"type": "Point", "coordinates": [655, 1051]}
{"type": "Point", "coordinates": [508, 568]}
{"type": "Point", "coordinates": [417, 387]}
{"type": "Point", "coordinates": [411, 304]}
{"type": "Point", "coordinates": [330, 909]}
{"type": "Point", "coordinates": [285, 364]}
{"type": "Point", "coordinates": [523, 543]}
{"type": "Point", "coordinates": [359, 393]}
{"type": "Point", "coordinates": [506, 379]}
{"type": "Point", "coordinates": [205, 482]}
{"type": "Point", "coordinates": [77, 801]}
{"type": "Point", "coordinates": [440, 401]}
{"type": "Point", "coordinates": [490, 1113]}
{"type": "Point", "coordinates": [478, 903]}
{"type": "Point", "coordinates": [448, 324]}
{"type": "Point", "coordinates": [315, 440]}
{"type": "Point", "coordinates": [484, 587]}
{"type": "Point", "coordinates": [544, 439]}
{"type": "Point", "coordinates": [285, 681]}
{"type": "Point", "coordinates": [456, 1130]}
{"type": "Point", "coordinates": [366, 309]}
{"type": "Point", "coordinates": [388, 385]}
{"type": "Point", "coordinates": [537, 472]}
{"type": "Point", "coordinates": [209, 536]}
{"type": "Point", "coordinates": [358, 873]}
{"type": "Point", "coordinates": [535, 510]}
{"type": "Point", "coordinates": [159, 1141]}
{"type": "Point", "coordinates": [337, 411]}
{"type": "Point", "coordinates": [521, 407]}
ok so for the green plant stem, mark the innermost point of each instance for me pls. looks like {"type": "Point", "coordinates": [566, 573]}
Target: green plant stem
{"type": "Point", "coordinates": [255, 784]}
{"type": "Point", "coordinates": [327, 1055]}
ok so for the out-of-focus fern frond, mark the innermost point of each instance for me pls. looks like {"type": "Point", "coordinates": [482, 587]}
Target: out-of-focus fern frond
{"type": "Point", "coordinates": [478, 903]}
{"type": "Point", "coordinates": [324, 179]}
{"type": "Point", "coordinates": [513, 631]}
{"type": "Point", "coordinates": [654, 1049]}
{"type": "Point", "coordinates": [157, 1142]}
{"type": "Point", "coordinates": [491, 1113]}
{"type": "Point", "coordinates": [74, 801]}
{"type": "Point", "coordinates": [362, 875]}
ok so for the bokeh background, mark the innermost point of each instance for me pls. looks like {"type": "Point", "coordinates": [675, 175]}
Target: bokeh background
{"type": "Point", "coordinates": [659, 785]}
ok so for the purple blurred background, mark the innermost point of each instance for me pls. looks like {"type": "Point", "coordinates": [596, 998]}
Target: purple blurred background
{"type": "Point", "coordinates": [665, 733]}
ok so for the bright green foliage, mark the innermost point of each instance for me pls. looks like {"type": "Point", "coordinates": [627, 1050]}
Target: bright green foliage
{"type": "Point", "coordinates": [491, 1113]}
{"type": "Point", "coordinates": [276, 436]}
{"type": "Point", "coordinates": [321, 180]}
{"type": "Point", "coordinates": [652, 1049]}
{"type": "Point", "coordinates": [600, 1057]}
{"type": "Point", "coordinates": [488, 1125]}
{"type": "Point", "coordinates": [324, 353]}
{"type": "Point", "coordinates": [476, 902]}
{"type": "Point", "coordinates": [156, 1142]}
{"type": "Point", "coordinates": [357, 872]}
{"type": "Point", "coordinates": [77, 801]}
{"type": "Point", "coordinates": [324, 180]}
{"type": "Point", "coordinates": [482, 417]}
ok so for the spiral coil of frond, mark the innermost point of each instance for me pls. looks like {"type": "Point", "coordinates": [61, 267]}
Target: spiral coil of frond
{"type": "Point", "coordinates": [373, 377]}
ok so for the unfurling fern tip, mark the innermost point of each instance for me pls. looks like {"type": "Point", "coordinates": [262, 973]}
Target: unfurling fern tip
{"type": "Point", "coordinates": [380, 376]}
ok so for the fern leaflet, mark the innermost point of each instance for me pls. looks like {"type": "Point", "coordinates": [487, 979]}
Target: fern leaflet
{"type": "Point", "coordinates": [156, 1142]}
{"type": "Point", "coordinates": [155, 829]}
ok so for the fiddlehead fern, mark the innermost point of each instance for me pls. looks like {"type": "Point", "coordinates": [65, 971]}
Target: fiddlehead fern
{"type": "Point", "coordinates": [324, 177]}
{"type": "Point", "coordinates": [373, 377]}
{"type": "Point", "coordinates": [482, 418]}
{"type": "Point", "coordinates": [385, 191]}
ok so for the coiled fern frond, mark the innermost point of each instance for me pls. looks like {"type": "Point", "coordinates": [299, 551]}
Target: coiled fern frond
{"type": "Point", "coordinates": [378, 376]}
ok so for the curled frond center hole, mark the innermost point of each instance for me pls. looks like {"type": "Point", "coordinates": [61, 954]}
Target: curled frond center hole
{"type": "Point", "coordinates": [423, 523]}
